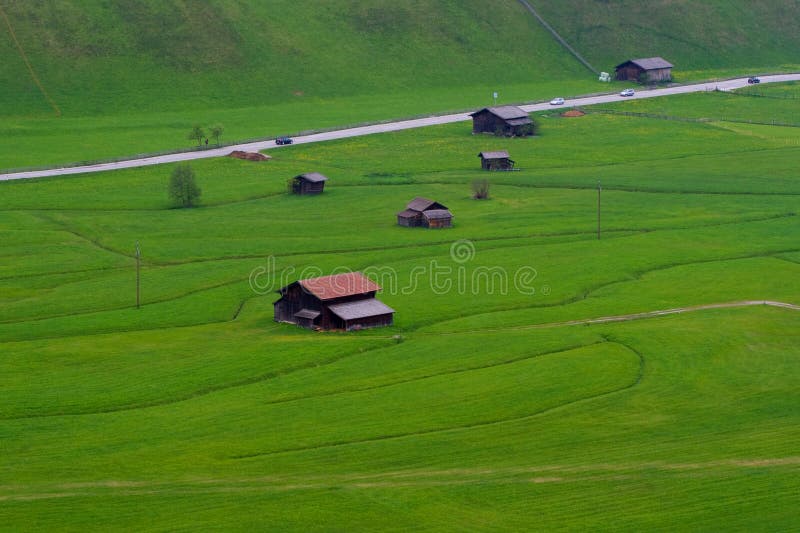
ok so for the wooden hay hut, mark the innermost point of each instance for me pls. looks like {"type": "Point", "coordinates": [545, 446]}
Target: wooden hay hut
{"type": "Point", "coordinates": [341, 301]}
{"type": "Point", "coordinates": [498, 160]}
{"type": "Point", "coordinates": [422, 212]}
{"type": "Point", "coordinates": [646, 70]}
{"type": "Point", "coordinates": [502, 120]}
{"type": "Point", "coordinates": [308, 183]}
{"type": "Point", "coordinates": [438, 218]}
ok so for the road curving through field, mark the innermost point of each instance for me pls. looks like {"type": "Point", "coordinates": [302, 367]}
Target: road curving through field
{"type": "Point", "coordinates": [383, 128]}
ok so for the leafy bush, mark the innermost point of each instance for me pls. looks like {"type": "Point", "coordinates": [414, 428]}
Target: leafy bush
{"type": "Point", "coordinates": [183, 189]}
{"type": "Point", "coordinates": [480, 189]}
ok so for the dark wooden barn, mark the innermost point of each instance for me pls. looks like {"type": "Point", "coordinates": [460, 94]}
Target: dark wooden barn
{"type": "Point", "coordinates": [422, 212]}
{"type": "Point", "coordinates": [498, 160]}
{"type": "Point", "coordinates": [342, 301]}
{"type": "Point", "coordinates": [503, 120]}
{"type": "Point", "coordinates": [308, 183]}
{"type": "Point", "coordinates": [438, 218]}
{"type": "Point", "coordinates": [646, 70]}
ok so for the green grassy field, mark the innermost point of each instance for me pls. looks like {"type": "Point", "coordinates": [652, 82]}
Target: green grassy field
{"type": "Point", "coordinates": [133, 77]}
{"type": "Point", "coordinates": [722, 36]}
{"type": "Point", "coordinates": [481, 408]}
{"type": "Point", "coordinates": [743, 105]}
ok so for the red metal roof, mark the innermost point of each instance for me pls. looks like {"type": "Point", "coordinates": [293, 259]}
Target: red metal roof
{"type": "Point", "coordinates": [338, 285]}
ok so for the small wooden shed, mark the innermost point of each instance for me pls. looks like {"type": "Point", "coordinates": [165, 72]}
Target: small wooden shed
{"type": "Point", "coordinates": [438, 218]}
{"type": "Point", "coordinates": [308, 183]}
{"type": "Point", "coordinates": [341, 301]}
{"type": "Point", "coordinates": [502, 120]}
{"type": "Point", "coordinates": [422, 212]}
{"type": "Point", "coordinates": [645, 70]}
{"type": "Point", "coordinates": [498, 160]}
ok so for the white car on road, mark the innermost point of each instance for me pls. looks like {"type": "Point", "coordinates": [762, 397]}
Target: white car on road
{"type": "Point", "coordinates": [557, 101]}
{"type": "Point", "coordinates": [627, 92]}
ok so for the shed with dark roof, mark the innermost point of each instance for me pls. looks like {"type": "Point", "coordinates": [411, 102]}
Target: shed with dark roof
{"type": "Point", "coordinates": [341, 301]}
{"type": "Point", "coordinates": [425, 213]}
{"type": "Point", "coordinates": [308, 183]}
{"type": "Point", "coordinates": [645, 70]}
{"type": "Point", "coordinates": [498, 160]}
{"type": "Point", "coordinates": [505, 120]}
{"type": "Point", "coordinates": [438, 218]}
{"type": "Point", "coordinates": [361, 314]}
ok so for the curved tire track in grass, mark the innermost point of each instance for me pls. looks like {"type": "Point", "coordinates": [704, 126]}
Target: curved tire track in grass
{"type": "Point", "coordinates": [449, 372]}
{"type": "Point", "coordinates": [197, 393]}
{"type": "Point", "coordinates": [634, 276]}
{"type": "Point", "coordinates": [548, 473]}
{"type": "Point", "coordinates": [306, 366]}
{"type": "Point", "coordinates": [579, 297]}
{"type": "Point", "coordinates": [315, 364]}
{"type": "Point", "coordinates": [622, 232]}
{"type": "Point", "coordinates": [466, 427]}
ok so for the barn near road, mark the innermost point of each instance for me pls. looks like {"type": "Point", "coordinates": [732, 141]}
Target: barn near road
{"type": "Point", "coordinates": [505, 120]}
{"type": "Point", "coordinates": [646, 70]}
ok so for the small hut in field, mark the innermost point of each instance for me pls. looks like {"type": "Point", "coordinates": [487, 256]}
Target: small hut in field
{"type": "Point", "coordinates": [308, 183]}
{"type": "Point", "coordinates": [646, 70]}
{"type": "Point", "coordinates": [437, 218]}
{"type": "Point", "coordinates": [498, 160]}
{"type": "Point", "coordinates": [422, 212]}
{"type": "Point", "coordinates": [342, 301]}
{"type": "Point", "coordinates": [505, 120]}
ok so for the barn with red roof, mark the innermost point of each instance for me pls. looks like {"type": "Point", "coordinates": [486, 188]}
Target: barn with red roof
{"type": "Point", "coordinates": [341, 301]}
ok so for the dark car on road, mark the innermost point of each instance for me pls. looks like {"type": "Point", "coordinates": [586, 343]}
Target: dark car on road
{"type": "Point", "coordinates": [752, 80]}
{"type": "Point", "coordinates": [284, 140]}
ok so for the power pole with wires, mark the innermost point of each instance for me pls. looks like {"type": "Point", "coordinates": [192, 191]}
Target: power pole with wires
{"type": "Point", "coordinates": [599, 189]}
{"type": "Point", "coordinates": [138, 263]}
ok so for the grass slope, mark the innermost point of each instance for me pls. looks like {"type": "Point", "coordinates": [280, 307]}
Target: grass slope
{"type": "Point", "coordinates": [478, 409]}
{"type": "Point", "coordinates": [121, 57]}
{"type": "Point", "coordinates": [133, 77]}
{"type": "Point", "coordinates": [720, 36]}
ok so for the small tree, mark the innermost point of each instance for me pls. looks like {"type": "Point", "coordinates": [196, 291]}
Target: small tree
{"type": "Point", "coordinates": [480, 189]}
{"type": "Point", "coordinates": [183, 189]}
{"type": "Point", "coordinates": [197, 134]}
{"type": "Point", "coordinates": [216, 132]}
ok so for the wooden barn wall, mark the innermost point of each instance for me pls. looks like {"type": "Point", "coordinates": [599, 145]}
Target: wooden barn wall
{"type": "Point", "coordinates": [486, 122]}
{"type": "Point", "coordinates": [496, 164]}
{"type": "Point", "coordinates": [440, 223]}
{"type": "Point", "coordinates": [629, 73]}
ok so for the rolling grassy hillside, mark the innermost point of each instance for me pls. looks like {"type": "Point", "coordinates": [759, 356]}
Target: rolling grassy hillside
{"type": "Point", "coordinates": [121, 57]}
{"type": "Point", "coordinates": [712, 36]}
{"type": "Point", "coordinates": [134, 76]}
{"type": "Point", "coordinates": [487, 412]}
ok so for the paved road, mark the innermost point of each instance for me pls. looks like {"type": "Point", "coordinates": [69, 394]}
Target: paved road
{"type": "Point", "coordinates": [381, 128]}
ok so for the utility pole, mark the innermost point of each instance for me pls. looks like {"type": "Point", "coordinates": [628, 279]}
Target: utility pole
{"type": "Point", "coordinates": [598, 209]}
{"type": "Point", "coordinates": [138, 262]}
